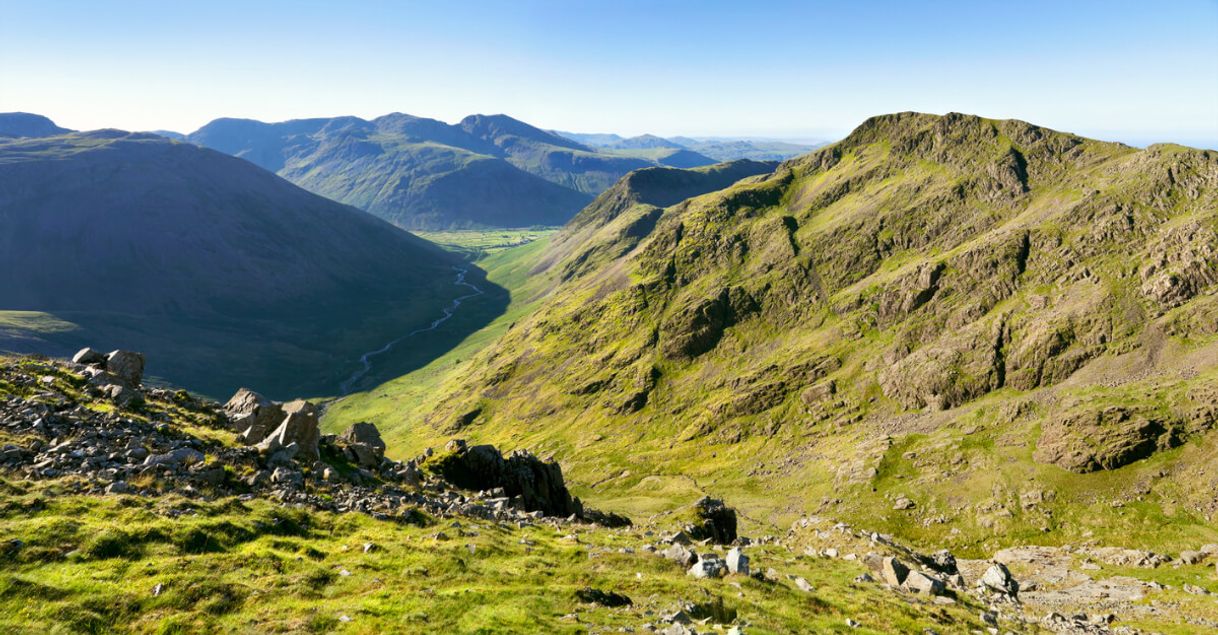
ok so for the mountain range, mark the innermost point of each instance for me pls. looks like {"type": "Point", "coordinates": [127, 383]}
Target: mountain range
{"type": "Point", "coordinates": [418, 173]}
{"type": "Point", "coordinates": [224, 273]}
{"type": "Point", "coordinates": [714, 148]}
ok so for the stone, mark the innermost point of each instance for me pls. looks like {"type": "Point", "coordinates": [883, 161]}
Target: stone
{"type": "Point", "coordinates": [252, 415]}
{"type": "Point", "coordinates": [88, 356]}
{"type": "Point", "coordinates": [943, 561]}
{"type": "Point", "coordinates": [998, 578]}
{"type": "Point", "coordinates": [680, 554]}
{"type": "Point", "coordinates": [737, 562]}
{"type": "Point", "coordinates": [538, 483]}
{"type": "Point", "coordinates": [365, 434]}
{"type": "Point", "coordinates": [708, 566]}
{"type": "Point", "coordinates": [127, 366]}
{"type": "Point", "coordinates": [611, 599]}
{"type": "Point", "coordinates": [299, 426]}
{"type": "Point", "coordinates": [714, 521]}
{"type": "Point", "coordinates": [180, 456]}
{"type": "Point", "coordinates": [119, 487]}
{"type": "Point", "coordinates": [893, 571]}
{"type": "Point", "coordinates": [803, 585]}
{"type": "Point", "coordinates": [919, 582]}
{"type": "Point", "coordinates": [903, 504]}
{"type": "Point", "coordinates": [1191, 557]}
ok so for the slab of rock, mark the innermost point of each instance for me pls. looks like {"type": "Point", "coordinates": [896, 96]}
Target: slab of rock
{"type": "Point", "coordinates": [299, 427]}
{"type": "Point", "coordinates": [737, 562]}
{"type": "Point", "coordinates": [680, 554]}
{"type": "Point", "coordinates": [892, 571]}
{"type": "Point", "coordinates": [253, 416]}
{"type": "Point", "coordinates": [88, 356]}
{"type": "Point", "coordinates": [127, 366]}
{"type": "Point", "coordinates": [919, 582]}
{"type": "Point", "coordinates": [998, 578]}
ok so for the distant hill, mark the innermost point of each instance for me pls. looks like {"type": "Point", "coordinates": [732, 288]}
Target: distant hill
{"type": "Point", "coordinates": [224, 273]}
{"type": "Point", "coordinates": [486, 171]}
{"type": "Point", "coordinates": [708, 149]}
{"type": "Point", "coordinates": [24, 124]}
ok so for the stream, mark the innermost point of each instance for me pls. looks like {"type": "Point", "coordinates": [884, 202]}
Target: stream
{"type": "Point", "coordinates": [365, 360]}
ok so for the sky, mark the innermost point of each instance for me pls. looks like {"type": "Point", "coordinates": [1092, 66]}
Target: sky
{"type": "Point", "coordinates": [1138, 72]}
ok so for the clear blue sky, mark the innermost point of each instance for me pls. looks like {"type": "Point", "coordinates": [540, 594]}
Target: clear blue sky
{"type": "Point", "coordinates": [1133, 71]}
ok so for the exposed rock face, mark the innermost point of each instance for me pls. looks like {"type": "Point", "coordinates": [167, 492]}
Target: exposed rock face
{"type": "Point", "coordinates": [998, 578]}
{"type": "Point", "coordinates": [253, 415]}
{"type": "Point", "coordinates": [1101, 439]}
{"type": "Point", "coordinates": [299, 431]}
{"type": "Point", "coordinates": [698, 327]}
{"type": "Point", "coordinates": [539, 484]}
{"type": "Point", "coordinates": [714, 521]}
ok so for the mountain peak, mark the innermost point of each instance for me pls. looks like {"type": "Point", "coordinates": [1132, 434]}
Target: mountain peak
{"type": "Point", "coordinates": [493, 127]}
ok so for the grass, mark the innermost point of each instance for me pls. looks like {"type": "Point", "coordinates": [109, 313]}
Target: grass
{"type": "Point", "coordinates": [125, 564]}
{"type": "Point", "coordinates": [477, 244]}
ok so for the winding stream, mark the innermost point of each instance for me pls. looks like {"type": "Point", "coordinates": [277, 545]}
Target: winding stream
{"type": "Point", "coordinates": [365, 360]}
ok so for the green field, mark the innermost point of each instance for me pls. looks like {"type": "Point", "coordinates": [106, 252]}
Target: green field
{"type": "Point", "coordinates": [478, 243]}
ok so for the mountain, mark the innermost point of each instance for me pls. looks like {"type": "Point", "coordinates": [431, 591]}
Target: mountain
{"type": "Point", "coordinates": [24, 124]}
{"type": "Point", "coordinates": [698, 151]}
{"type": "Point", "coordinates": [116, 239]}
{"type": "Point", "coordinates": [948, 328]}
{"type": "Point", "coordinates": [486, 171]}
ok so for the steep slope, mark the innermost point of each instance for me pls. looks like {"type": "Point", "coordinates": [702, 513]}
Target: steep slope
{"type": "Point", "coordinates": [24, 124]}
{"type": "Point", "coordinates": [169, 248]}
{"type": "Point", "coordinates": [1011, 325]}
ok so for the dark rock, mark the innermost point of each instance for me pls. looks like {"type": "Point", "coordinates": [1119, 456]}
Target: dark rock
{"type": "Point", "coordinates": [538, 483]}
{"type": "Point", "coordinates": [590, 595]}
{"type": "Point", "coordinates": [714, 521]}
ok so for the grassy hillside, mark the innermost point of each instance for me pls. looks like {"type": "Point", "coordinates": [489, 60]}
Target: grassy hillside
{"type": "Point", "coordinates": [224, 273]}
{"type": "Point", "coordinates": [1008, 325]}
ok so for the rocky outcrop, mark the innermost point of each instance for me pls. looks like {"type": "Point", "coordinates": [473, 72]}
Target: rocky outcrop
{"type": "Point", "coordinates": [696, 328]}
{"type": "Point", "coordinates": [712, 520]}
{"type": "Point", "coordinates": [1102, 438]}
{"type": "Point", "coordinates": [298, 434]}
{"type": "Point", "coordinates": [253, 416]}
{"type": "Point", "coordinates": [538, 484]}
{"type": "Point", "coordinates": [363, 443]}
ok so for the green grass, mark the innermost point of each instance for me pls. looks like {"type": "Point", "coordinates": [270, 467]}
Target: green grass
{"type": "Point", "coordinates": [93, 565]}
{"type": "Point", "coordinates": [478, 244]}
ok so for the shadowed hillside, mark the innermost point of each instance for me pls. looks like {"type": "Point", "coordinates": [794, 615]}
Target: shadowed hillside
{"type": "Point", "coordinates": [224, 273]}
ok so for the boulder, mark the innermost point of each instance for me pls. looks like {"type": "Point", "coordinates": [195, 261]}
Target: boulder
{"type": "Point", "coordinates": [539, 484]}
{"type": "Point", "coordinates": [611, 599]}
{"type": "Point", "coordinates": [180, 456]}
{"type": "Point", "coordinates": [708, 566]}
{"type": "Point", "coordinates": [943, 561]}
{"type": "Point", "coordinates": [919, 582]}
{"type": "Point", "coordinates": [127, 366]}
{"type": "Point", "coordinates": [893, 571]}
{"type": "Point", "coordinates": [252, 415]}
{"type": "Point", "coordinates": [737, 562]}
{"type": "Point", "coordinates": [299, 426]}
{"type": "Point", "coordinates": [713, 521]}
{"type": "Point", "coordinates": [88, 356]}
{"type": "Point", "coordinates": [1191, 557]}
{"type": "Point", "coordinates": [998, 578]}
{"type": "Point", "coordinates": [680, 554]}
{"type": "Point", "coordinates": [364, 444]}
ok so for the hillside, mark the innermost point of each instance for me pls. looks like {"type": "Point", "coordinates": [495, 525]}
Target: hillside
{"type": "Point", "coordinates": [225, 273]}
{"type": "Point", "coordinates": [24, 124]}
{"type": "Point", "coordinates": [955, 329]}
{"type": "Point", "coordinates": [486, 171]}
